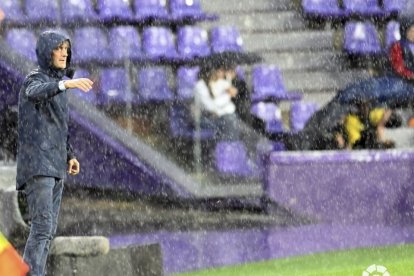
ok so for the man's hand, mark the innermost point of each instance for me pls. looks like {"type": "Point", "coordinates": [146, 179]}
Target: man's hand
{"type": "Point", "coordinates": [83, 84]}
{"type": "Point", "coordinates": [2, 15]}
{"type": "Point", "coordinates": [73, 167]}
{"type": "Point", "coordinates": [232, 91]}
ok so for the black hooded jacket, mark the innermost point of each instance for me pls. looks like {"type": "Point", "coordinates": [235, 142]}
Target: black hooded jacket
{"type": "Point", "coordinates": [43, 147]}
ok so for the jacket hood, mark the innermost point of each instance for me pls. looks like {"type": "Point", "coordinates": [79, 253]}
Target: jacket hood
{"type": "Point", "coordinates": [47, 42]}
{"type": "Point", "coordinates": [405, 23]}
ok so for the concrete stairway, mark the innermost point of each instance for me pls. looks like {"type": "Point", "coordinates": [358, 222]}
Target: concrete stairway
{"type": "Point", "coordinates": [308, 58]}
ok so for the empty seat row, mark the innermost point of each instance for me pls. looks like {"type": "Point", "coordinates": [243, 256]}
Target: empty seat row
{"type": "Point", "coordinates": [79, 11]}
{"type": "Point", "coordinates": [331, 9]}
{"type": "Point", "coordinates": [116, 87]}
{"type": "Point", "coordinates": [362, 38]}
{"type": "Point", "coordinates": [124, 42]}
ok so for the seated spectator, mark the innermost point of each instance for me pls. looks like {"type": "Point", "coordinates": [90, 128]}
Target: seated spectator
{"type": "Point", "coordinates": [213, 97]}
{"type": "Point", "coordinates": [396, 87]}
{"type": "Point", "coordinates": [214, 108]}
{"type": "Point", "coordinates": [365, 129]}
{"type": "Point", "coordinates": [242, 98]}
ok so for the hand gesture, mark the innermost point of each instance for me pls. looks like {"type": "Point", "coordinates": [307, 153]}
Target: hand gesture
{"type": "Point", "coordinates": [83, 84]}
{"type": "Point", "coordinates": [73, 167]}
{"type": "Point", "coordinates": [232, 91]}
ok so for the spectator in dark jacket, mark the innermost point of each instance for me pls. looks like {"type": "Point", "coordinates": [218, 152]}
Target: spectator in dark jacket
{"type": "Point", "coordinates": [396, 87]}
{"type": "Point", "coordinates": [44, 154]}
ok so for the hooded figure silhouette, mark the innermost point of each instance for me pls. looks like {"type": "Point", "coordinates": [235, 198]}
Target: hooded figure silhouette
{"type": "Point", "coordinates": [43, 147]}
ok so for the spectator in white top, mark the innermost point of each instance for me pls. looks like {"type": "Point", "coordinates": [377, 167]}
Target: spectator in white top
{"type": "Point", "coordinates": [214, 108]}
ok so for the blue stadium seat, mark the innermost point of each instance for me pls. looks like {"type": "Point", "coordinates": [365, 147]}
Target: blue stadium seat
{"type": "Point", "coordinates": [394, 6]}
{"type": "Point", "coordinates": [13, 11]}
{"type": "Point", "coordinates": [363, 8]}
{"type": "Point", "coordinates": [158, 43]}
{"type": "Point", "coordinates": [392, 33]}
{"type": "Point", "coordinates": [192, 42]}
{"type": "Point", "coordinates": [114, 10]}
{"type": "Point", "coordinates": [182, 126]}
{"type": "Point", "coordinates": [153, 85]}
{"type": "Point", "coordinates": [115, 87]}
{"type": "Point", "coordinates": [186, 79]}
{"type": "Point", "coordinates": [268, 85]}
{"type": "Point", "coordinates": [76, 11]}
{"type": "Point", "coordinates": [90, 44]}
{"type": "Point", "coordinates": [26, 39]}
{"type": "Point", "coordinates": [300, 113]}
{"type": "Point", "coordinates": [188, 10]}
{"type": "Point", "coordinates": [270, 114]}
{"type": "Point", "coordinates": [361, 39]}
{"type": "Point", "coordinates": [231, 159]}
{"type": "Point", "coordinates": [42, 11]}
{"type": "Point", "coordinates": [89, 97]}
{"type": "Point", "coordinates": [125, 43]}
{"type": "Point", "coordinates": [225, 38]}
{"type": "Point", "coordinates": [151, 9]}
{"type": "Point", "coordinates": [324, 9]}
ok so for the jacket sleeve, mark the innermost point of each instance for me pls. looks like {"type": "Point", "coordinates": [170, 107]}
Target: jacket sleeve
{"type": "Point", "coordinates": [71, 154]}
{"type": "Point", "coordinates": [38, 90]}
{"type": "Point", "coordinates": [397, 62]}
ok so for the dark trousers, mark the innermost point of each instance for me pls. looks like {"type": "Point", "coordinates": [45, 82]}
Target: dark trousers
{"type": "Point", "coordinates": [44, 196]}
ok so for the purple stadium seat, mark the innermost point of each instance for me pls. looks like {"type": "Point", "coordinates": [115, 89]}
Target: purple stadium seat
{"type": "Point", "coordinates": [75, 11]}
{"type": "Point", "coordinates": [240, 73]}
{"type": "Point", "coordinates": [26, 41]}
{"type": "Point", "coordinates": [115, 86]}
{"type": "Point", "coordinates": [39, 11]}
{"type": "Point", "coordinates": [153, 85]}
{"type": "Point", "coordinates": [89, 97]}
{"type": "Point", "coordinates": [13, 11]}
{"type": "Point", "coordinates": [110, 10]}
{"type": "Point", "coordinates": [269, 113]}
{"type": "Point", "coordinates": [185, 7]}
{"type": "Point", "coordinates": [192, 42]}
{"type": "Point", "coordinates": [158, 42]}
{"type": "Point", "coordinates": [394, 6]}
{"type": "Point", "coordinates": [231, 159]}
{"type": "Point", "coordinates": [268, 85]}
{"type": "Point", "coordinates": [392, 33]}
{"type": "Point", "coordinates": [300, 113]}
{"type": "Point", "coordinates": [327, 9]}
{"type": "Point", "coordinates": [182, 126]}
{"type": "Point", "coordinates": [125, 43]}
{"type": "Point", "coordinates": [225, 38]}
{"type": "Point", "coordinates": [363, 7]}
{"type": "Point", "coordinates": [361, 38]}
{"type": "Point", "coordinates": [151, 9]}
{"type": "Point", "coordinates": [186, 80]}
{"type": "Point", "coordinates": [188, 10]}
{"type": "Point", "coordinates": [90, 44]}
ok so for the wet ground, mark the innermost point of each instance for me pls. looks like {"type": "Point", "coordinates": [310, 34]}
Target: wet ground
{"type": "Point", "coordinates": [98, 213]}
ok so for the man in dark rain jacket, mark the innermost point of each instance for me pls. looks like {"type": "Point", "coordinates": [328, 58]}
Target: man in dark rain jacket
{"type": "Point", "coordinates": [44, 154]}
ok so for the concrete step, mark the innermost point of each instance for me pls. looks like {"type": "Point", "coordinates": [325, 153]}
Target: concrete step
{"type": "Point", "coordinates": [101, 215]}
{"type": "Point", "coordinates": [261, 21]}
{"type": "Point", "coordinates": [289, 41]}
{"type": "Point", "coordinates": [246, 6]}
{"type": "Point", "coordinates": [309, 60]}
{"type": "Point", "coordinates": [318, 81]}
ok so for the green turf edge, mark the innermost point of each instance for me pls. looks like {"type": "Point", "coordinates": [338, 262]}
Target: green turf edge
{"type": "Point", "coordinates": [398, 259]}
